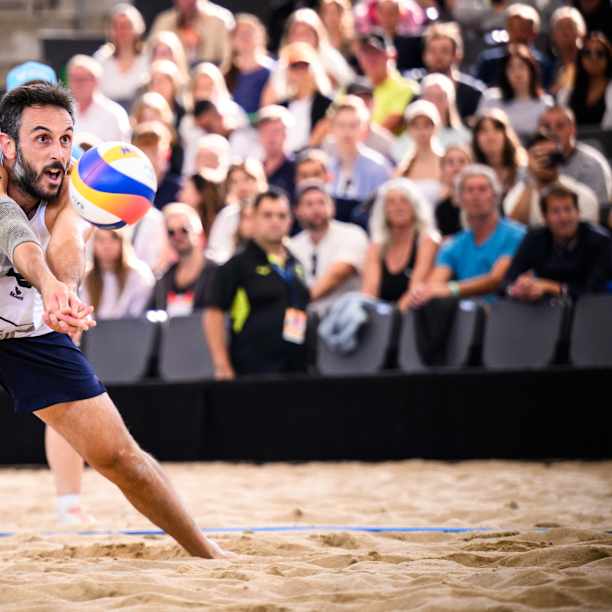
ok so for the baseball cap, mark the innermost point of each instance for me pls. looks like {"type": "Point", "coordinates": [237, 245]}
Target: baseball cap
{"type": "Point", "coordinates": [375, 39]}
{"type": "Point", "coordinates": [28, 72]}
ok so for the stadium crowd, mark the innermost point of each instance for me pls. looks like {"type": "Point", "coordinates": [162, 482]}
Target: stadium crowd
{"type": "Point", "coordinates": [366, 150]}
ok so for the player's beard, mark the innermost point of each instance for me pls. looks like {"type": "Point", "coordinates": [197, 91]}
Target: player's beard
{"type": "Point", "coordinates": [25, 177]}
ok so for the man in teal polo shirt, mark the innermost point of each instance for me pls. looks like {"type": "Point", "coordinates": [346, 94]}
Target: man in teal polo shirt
{"type": "Point", "coordinates": [473, 263]}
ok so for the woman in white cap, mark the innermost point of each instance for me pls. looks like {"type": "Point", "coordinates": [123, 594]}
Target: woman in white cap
{"type": "Point", "coordinates": [422, 163]}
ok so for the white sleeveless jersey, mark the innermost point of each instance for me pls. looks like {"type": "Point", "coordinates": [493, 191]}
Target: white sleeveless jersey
{"type": "Point", "coordinates": [21, 306]}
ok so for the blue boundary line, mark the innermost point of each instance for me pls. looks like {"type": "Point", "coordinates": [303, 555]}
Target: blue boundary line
{"type": "Point", "coordinates": [291, 529]}
{"type": "Point", "coordinates": [273, 529]}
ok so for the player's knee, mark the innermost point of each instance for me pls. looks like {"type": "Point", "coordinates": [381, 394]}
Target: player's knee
{"type": "Point", "coordinates": [121, 462]}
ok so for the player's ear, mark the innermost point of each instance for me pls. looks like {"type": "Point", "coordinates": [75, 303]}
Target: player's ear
{"type": "Point", "coordinates": [8, 147]}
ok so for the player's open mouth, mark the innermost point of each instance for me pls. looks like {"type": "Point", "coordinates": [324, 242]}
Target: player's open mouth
{"type": "Point", "coordinates": [55, 176]}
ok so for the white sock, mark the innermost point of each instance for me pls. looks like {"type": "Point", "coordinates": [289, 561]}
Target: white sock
{"type": "Point", "coordinates": [65, 502]}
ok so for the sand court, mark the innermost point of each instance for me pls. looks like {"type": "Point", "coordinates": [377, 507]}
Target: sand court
{"type": "Point", "coordinates": [542, 540]}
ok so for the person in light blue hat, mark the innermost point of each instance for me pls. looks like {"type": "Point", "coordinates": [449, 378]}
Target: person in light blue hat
{"type": "Point", "coordinates": [28, 72]}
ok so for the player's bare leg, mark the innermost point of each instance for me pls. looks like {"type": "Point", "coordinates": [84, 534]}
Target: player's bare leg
{"type": "Point", "coordinates": [67, 469]}
{"type": "Point", "coordinates": [96, 431]}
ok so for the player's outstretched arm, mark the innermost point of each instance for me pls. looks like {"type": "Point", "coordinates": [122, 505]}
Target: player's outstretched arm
{"type": "Point", "coordinates": [64, 311]}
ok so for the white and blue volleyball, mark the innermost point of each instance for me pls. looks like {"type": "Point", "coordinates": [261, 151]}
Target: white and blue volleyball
{"type": "Point", "coordinates": [113, 185]}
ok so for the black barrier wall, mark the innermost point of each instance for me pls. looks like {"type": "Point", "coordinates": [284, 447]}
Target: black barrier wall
{"type": "Point", "coordinates": [551, 414]}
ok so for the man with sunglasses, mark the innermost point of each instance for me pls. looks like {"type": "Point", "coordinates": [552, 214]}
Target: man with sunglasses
{"type": "Point", "coordinates": [186, 284]}
{"type": "Point", "coordinates": [581, 162]}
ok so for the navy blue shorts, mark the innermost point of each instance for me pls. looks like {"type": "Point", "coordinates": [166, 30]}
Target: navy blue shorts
{"type": "Point", "coordinates": [45, 370]}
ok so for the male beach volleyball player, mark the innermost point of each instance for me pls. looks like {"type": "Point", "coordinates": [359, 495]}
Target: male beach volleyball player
{"type": "Point", "coordinates": [41, 368]}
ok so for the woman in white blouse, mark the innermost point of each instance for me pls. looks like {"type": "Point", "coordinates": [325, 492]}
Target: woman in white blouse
{"type": "Point", "coordinates": [125, 64]}
{"type": "Point", "coordinates": [118, 285]}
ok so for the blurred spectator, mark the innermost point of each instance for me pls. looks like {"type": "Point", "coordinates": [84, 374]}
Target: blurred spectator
{"type": "Point", "coordinates": [312, 165]}
{"type": "Point", "coordinates": [591, 96]}
{"type": "Point", "coordinates": [567, 256]}
{"type": "Point", "coordinates": [392, 93]}
{"type": "Point", "coordinates": [582, 162]}
{"type": "Point", "coordinates": [262, 290]}
{"type": "Point", "coordinates": [213, 111]}
{"type": "Point", "coordinates": [93, 111]}
{"type": "Point", "coordinates": [357, 170]}
{"type": "Point", "coordinates": [273, 124]}
{"type": "Point", "coordinates": [422, 162]}
{"type": "Point", "coordinates": [520, 94]}
{"type": "Point", "coordinates": [447, 212]}
{"type": "Point", "coordinates": [166, 45]}
{"type": "Point", "coordinates": [545, 159]}
{"type": "Point", "coordinates": [404, 245]}
{"type": "Point", "coordinates": [475, 261]}
{"type": "Point", "coordinates": [337, 17]}
{"type": "Point", "coordinates": [523, 26]}
{"type": "Point", "coordinates": [155, 140]}
{"type": "Point", "coordinates": [245, 179]}
{"type": "Point", "coordinates": [118, 284]}
{"type": "Point", "coordinates": [185, 286]}
{"type": "Point", "coordinates": [567, 35]}
{"type": "Point", "coordinates": [496, 144]}
{"type": "Point", "coordinates": [152, 106]}
{"type": "Point", "coordinates": [251, 66]}
{"type": "Point", "coordinates": [403, 16]}
{"type": "Point", "coordinates": [305, 26]}
{"type": "Point", "coordinates": [203, 28]}
{"type": "Point", "coordinates": [332, 252]}
{"type": "Point", "coordinates": [308, 100]}
{"type": "Point", "coordinates": [211, 166]}
{"type": "Point", "coordinates": [165, 79]}
{"type": "Point", "coordinates": [440, 91]}
{"type": "Point", "coordinates": [211, 157]}
{"type": "Point", "coordinates": [597, 15]}
{"type": "Point", "coordinates": [125, 65]}
{"type": "Point", "coordinates": [443, 53]}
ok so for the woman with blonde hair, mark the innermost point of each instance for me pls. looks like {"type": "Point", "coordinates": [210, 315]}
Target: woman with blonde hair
{"type": "Point", "coordinates": [422, 162]}
{"type": "Point", "coordinates": [165, 79]}
{"type": "Point", "coordinates": [337, 17]}
{"type": "Point", "coordinates": [118, 284]}
{"type": "Point", "coordinates": [152, 106]}
{"type": "Point", "coordinates": [251, 66]}
{"type": "Point", "coordinates": [167, 45]}
{"type": "Point", "coordinates": [404, 243]}
{"type": "Point", "coordinates": [125, 64]}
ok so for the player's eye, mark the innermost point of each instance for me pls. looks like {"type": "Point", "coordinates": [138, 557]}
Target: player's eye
{"type": "Point", "coordinates": [43, 138]}
{"type": "Point", "coordinates": [66, 140]}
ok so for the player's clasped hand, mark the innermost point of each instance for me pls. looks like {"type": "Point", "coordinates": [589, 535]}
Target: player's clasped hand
{"type": "Point", "coordinates": [64, 311]}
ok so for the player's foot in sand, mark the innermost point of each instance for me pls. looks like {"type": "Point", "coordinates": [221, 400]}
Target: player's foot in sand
{"type": "Point", "coordinates": [217, 552]}
{"type": "Point", "coordinates": [75, 516]}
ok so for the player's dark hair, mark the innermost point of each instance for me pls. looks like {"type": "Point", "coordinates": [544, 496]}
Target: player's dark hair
{"type": "Point", "coordinates": [272, 193]}
{"type": "Point", "coordinates": [36, 93]}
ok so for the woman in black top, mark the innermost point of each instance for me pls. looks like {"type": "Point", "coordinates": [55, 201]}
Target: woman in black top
{"type": "Point", "coordinates": [591, 97]}
{"type": "Point", "coordinates": [404, 243]}
{"type": "Point", "coordinates": [566, 256]}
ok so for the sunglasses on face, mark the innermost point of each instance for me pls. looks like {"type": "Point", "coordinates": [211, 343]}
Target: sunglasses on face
{"type": "Point", "coordinates": [594, 53]}
{"type": "Point", "coordinates": [183, 231]}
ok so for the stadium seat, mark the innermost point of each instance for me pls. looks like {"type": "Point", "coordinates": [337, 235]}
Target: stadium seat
{"type": "Point", "coordinates": [370, 355]}
{"type": "Point", "coordinates": [465, 335]}
{"type": "Point", "coordinates": [519, 335]}
{"type": "Point", "coordinates": [591, 336]}
{"type": "Point", "coordinates": [409, 359]}
{"type": "Point", "coordinates": [598, 138]}
{"type": "Point", "coordinates": [183, 353]}
{"type": "Point", "coordinates": [120, 349]}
